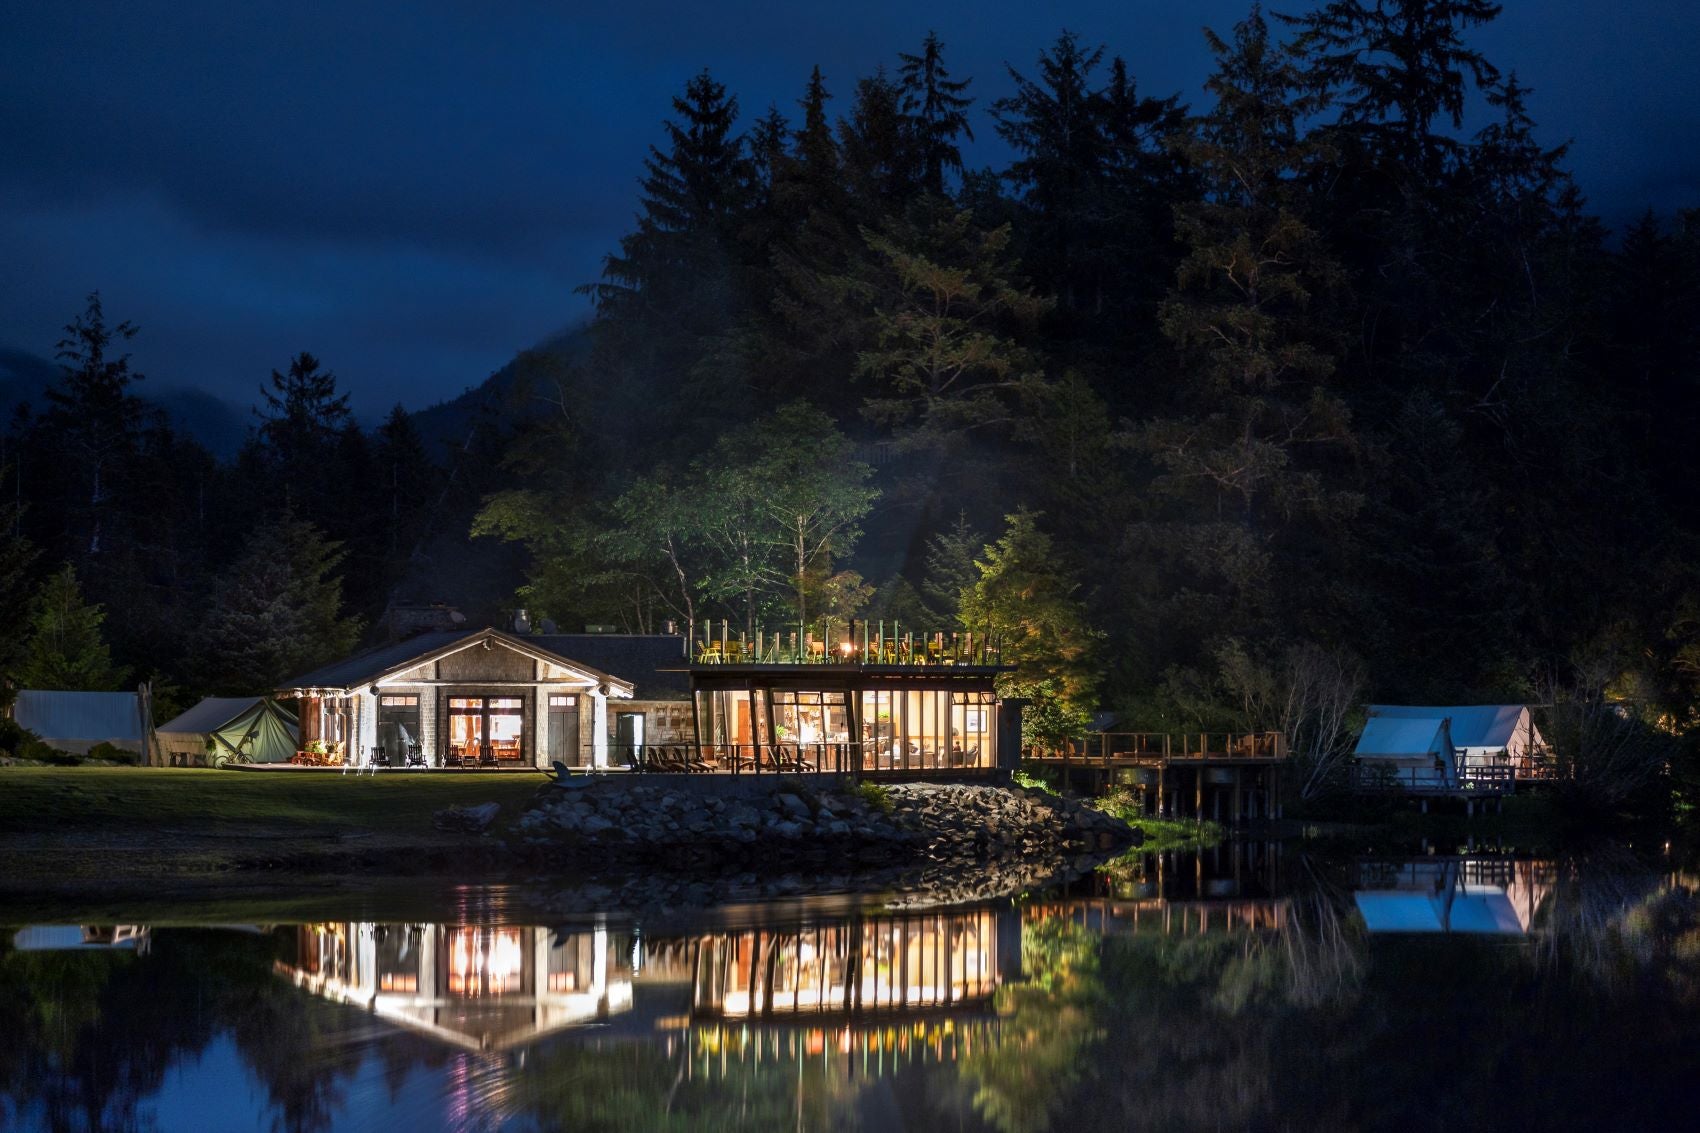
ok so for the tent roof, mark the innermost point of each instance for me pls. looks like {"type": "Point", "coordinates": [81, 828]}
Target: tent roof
{"type": "Point", "coordinates": [211, 714]}
{"type": "Point", "coordinates": [1471, 908]}
{"type": "Point", "coordinates": [56, 715]}
{"type": "Point", "coordinates": [1400, 736]}
{"type": "Point", "coordinates": [387, 660]}
{"type": "Point", "coordinates": [1473, 725]}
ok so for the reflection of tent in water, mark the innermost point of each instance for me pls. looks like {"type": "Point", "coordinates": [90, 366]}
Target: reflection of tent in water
{"type": "Point", "coordinates": [241, 729]}
{"type": "Point", "coordinates": [66, 937]}
{"type": "Point", "coordinates": [1485, 896]}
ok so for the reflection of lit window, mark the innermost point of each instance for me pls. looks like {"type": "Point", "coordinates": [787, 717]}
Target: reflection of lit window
{"type": "Point", "coordinates": [485, 961]}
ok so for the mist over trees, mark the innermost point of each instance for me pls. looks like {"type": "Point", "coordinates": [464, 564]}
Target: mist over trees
{"type": "Point", "coordinates": [1334, 364]}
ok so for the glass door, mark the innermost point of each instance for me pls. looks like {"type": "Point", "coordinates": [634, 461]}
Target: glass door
{"type": "Point", "coordinates": [466, 730]}
{"type": "Point", "coordinates": [486, 730]}
{"type": "Point", "coordinates": [628, 738]}
{"type": "Point", "coordinates": [504, 723]}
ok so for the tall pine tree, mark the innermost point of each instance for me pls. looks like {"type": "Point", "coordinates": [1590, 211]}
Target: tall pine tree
{"type": "Point", "coordinates": [65, 649]}
{"type": "Point", "coordinates": [937, 105]}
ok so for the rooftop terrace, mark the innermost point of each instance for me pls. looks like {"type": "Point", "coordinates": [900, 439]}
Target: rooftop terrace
{"type": "Point", "coordinates": [876, 643]}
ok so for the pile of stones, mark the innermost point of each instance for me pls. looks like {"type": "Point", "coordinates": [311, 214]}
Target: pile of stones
{"type": "Point", "coordinates": [805, 822]}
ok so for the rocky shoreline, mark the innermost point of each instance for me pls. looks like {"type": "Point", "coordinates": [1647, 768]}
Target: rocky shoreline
{"type": "Point", "coordinates": [757, 825]}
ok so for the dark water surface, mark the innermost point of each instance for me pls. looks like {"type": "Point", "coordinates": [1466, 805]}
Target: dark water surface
{"type": "Point", "coordinates": [1250, 987]}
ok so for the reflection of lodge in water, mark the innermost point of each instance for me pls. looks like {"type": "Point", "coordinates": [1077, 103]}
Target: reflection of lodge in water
{"type": "Point", "coordinates": [1235, 887]}
{"type": "Point", "coordinates": [476, 986]}
{"type": "Point", "coordinates": [1496, 896]}
{"type": "Point", "coordinates": [863, 965]}
{"type": "Point", "coordinates": [500, 987]}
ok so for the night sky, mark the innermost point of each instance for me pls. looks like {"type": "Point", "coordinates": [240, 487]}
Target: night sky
{"type": "Point", "coordinates": [412, 191]}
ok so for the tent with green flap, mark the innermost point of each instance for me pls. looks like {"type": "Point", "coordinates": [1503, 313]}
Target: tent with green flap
{"type": "Point", "coordinates": [221, 730]}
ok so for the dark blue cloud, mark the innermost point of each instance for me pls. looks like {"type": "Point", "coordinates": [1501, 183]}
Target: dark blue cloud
{"type": "Point", "coordinates": [412, 191]}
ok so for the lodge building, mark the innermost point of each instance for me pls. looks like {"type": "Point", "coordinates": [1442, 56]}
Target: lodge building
{"type": "Point", "coordinates": [882, 705]}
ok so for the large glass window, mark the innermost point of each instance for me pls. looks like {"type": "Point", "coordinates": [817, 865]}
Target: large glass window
{"type": "Point", "coordinates": [732, 720]}
{"type": "Point", "coordinates": [810, 718]}
{"type": "Point", "coordinates": [486, 729]}
{"type": "Point", "coordinates": [466, 728]}
{"type": "Point", "coordinates": [506, 715]}
{"type": "Point", "coordinates": [927, 729]}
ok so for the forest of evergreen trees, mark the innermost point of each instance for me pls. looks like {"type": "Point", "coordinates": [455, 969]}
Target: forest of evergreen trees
{"type": "Point", "coordinates": [1223, 415]}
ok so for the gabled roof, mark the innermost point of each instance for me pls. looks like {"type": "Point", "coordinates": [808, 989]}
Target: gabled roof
{"type": "Point", "coordinates": [653, 662]}
{"type": "Point", "coordinates": [388, 660]}
{"type": "Point", "coordinates": [1473, 725]}
{"type": "Point", "coordinates": [55, 715]}
{"type": "Point", "coordinates": [1393, 737]}
{"type": "Point", "coordinates": [210, 714]}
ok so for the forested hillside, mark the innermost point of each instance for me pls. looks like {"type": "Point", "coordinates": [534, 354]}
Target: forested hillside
{"type": "Point", "coordinates": [1315, 389]}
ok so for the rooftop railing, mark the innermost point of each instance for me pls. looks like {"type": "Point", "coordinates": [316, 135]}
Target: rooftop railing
{"type": "Point", "coordinates": [852, 643]}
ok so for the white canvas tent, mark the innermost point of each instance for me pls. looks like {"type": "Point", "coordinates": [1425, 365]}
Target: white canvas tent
{"type": "Point", "coordinates": [1481, 733]}
{"type": "Point", "coordinates": [244, 729]}
{"type": "Point", "coordinates": [77, 721]}
{"type": "Point", "coordinates": [1415, 748]}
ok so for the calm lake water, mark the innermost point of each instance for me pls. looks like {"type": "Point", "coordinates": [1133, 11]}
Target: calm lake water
{"type": "Point", "coordinates": [1249, 987]}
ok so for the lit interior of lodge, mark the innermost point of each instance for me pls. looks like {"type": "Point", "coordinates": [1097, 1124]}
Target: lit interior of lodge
{"type": "Point", "coordinates": [862, 698]}
{"type": "Point", "coordinates": [481, 987]}
{"type": "Point", "coordinates": [873, 965]}
{"type": "Point", "coordinates": [902, 728]}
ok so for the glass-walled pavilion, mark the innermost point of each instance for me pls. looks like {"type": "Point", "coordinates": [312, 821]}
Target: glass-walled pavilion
{"type": "Point", "coordinates": [847, 718]}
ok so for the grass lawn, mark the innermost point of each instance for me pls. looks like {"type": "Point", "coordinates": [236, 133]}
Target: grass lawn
{"type": "Point", "coordinates": [117, 799]}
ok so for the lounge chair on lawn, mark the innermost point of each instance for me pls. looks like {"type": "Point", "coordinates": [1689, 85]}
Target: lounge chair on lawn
{"type": "Point", "coordinates": [562, 776]}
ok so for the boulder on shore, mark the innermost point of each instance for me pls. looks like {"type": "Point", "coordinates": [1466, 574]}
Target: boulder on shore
{"type": "Point", "coordinates": [466, 819]}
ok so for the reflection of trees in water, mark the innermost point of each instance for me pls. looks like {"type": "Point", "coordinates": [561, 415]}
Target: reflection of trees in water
{"type": "Point", "coordinates": [1618, 921]}
{"type": "Point", "coordinates": [86, 1035]}
{"type": "Point", "coordinates": [635, 1086]}
{"type": "Point", "coordinates": [1157, 1029]}
{"type": "Point", "coordinates": [1050, 1023]}
{"type": "Point", "coordinates": [1588, 922]}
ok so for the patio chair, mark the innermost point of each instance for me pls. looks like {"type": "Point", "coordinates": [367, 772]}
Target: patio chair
{"type": "Point", "coordinates": [486, 756]}
{"type": "Point", "coordinates": [562, 776]}
{"type": "Point", "coordinates": [416, 755]}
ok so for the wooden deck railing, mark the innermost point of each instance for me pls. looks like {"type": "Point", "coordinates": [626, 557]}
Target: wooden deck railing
{"type": "Point", "coordinates": [1479, 780]}
{"type": "Point", "coordinates": [1159, 747]}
